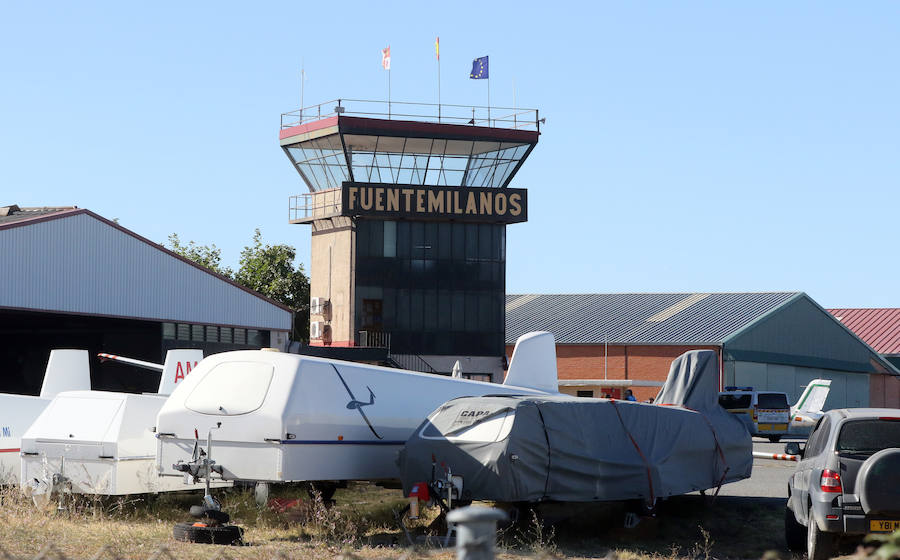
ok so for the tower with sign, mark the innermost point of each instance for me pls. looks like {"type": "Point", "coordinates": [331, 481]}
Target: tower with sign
{"type": "Point", "coordinates": [409, 205]}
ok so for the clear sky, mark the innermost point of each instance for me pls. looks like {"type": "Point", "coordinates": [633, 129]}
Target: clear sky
{"type": "Point", "coordinates": [689, 146]}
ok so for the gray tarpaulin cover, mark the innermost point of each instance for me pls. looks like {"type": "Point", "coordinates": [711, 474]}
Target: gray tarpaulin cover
{"type": "Point", "coordinates": [528, 448]}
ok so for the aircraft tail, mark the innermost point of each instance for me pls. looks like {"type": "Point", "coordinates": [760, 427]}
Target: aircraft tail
{"type": "Point", "coordinates": [533, 363]}
{"type": "Point", "coordinates": [179, 364]}
{"type": "Point", "coordinates": [813, 397]}
{"type": "Point", "coordinates": [67, 370]}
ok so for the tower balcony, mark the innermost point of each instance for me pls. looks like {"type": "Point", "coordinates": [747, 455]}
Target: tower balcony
{"type": "Point", "coordinates": [359, 141]}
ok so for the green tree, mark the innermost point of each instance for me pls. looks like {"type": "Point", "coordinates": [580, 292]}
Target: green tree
{"type": "Point", "coordinates": [269, 270]}
{"type": "Point", "coordinates": [209, 256]}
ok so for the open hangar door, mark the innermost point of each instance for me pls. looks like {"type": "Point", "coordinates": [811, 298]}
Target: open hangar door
{"type": "Point", "coordinates": [27, 337]}
{"type": "Point", "coordinates": [848, 389]}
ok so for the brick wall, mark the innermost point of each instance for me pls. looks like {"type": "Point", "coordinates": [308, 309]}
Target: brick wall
{"type": "Point", "coordinates": [649, 363]}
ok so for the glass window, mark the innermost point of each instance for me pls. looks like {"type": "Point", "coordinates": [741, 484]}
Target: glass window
{"type": "Point", "coordinates": [772, 400]}
{"type": "Point", "coordinates": [431, 310]}
{"type": "Point", "coordinates": [459, 311]}
{"type": "Point", "coordinates": [390, 239]}
{"type": "Point", "coordinates": [376, 241]}
{"type": "Point", "coordinates": [485, 241]}
{"type": "Point", "coordinates": [417, 310]}
{"type": "Point", "coordinates": [444, 311]}
{"type": "Point", "coordinates": [183, 331]}
{"type": "Point", "coordinates": [417, 230]}
{"type": "Point", "coordinates": [403, 239]}
{"type": "Point", "coordinates": [197, 332]}
{"type": "Point", "coordinates": [459, 241]}
{"type": "Point", "coordinates": [868, 436]}
{"type": "Point", "coordinates": [212, 334]}
{"type": "Point", "coordinates": [471, 312]}
{"type": "Point", "coordinates": [240, 336]}
{"type": "Point", "coordinates": [403, 309]}
{"type": "Point", "coordinates": [730, 402]}
{"type": "Point", "coordinates": [226, 335]}
{"type": "Point", "coordinates": [444, 240]}
{"type": "Point", "coordinates": [471, 241]}
{"type": "Point", "coordinates": [168, 330]}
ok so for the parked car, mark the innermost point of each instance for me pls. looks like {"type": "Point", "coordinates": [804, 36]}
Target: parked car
{"type": "Point", "coordinates": [765, 413]}
{"type": "Point", "coordinates": [847, 481]}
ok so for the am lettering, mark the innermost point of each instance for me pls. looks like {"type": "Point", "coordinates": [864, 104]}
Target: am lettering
{"type": "Point", "coordinates": [183, 370]}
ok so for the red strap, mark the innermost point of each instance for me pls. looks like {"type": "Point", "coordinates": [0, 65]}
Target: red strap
{"type": "Point", "coordinates": [641, 453]}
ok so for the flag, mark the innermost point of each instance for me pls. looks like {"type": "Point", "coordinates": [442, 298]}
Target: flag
{"type": "Point", "coordinates": [479, 69]}
{"type": "Point", "coordinates": [437, 47]}
{"type": "Point", "coordinates": [386, 58]}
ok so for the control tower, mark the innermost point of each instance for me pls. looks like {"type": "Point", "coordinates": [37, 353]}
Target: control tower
{"type": "Point", "coordinates": [409, 205]}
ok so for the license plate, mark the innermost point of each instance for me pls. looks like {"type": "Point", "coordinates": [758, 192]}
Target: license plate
{"type": "Point", "coordinates": [771, 427]}
{"type": "Point", "coordinates": [883, 526]}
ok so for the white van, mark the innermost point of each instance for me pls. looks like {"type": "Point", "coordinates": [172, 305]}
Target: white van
{"type": "Point", "coordinates": [765, 413]}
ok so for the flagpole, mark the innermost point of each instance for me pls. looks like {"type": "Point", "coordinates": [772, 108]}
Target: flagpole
{"type": "Point", "coordinates": [489, 97]}
{"type": "Point", "coordinates": [437, 52]}
{"type": "Point", "coordinates": [389, 94]}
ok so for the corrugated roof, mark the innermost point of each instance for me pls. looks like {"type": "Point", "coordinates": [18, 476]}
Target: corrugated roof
{"type": "Point", "coordinates": [14, 213]}
{"type": "Point", "coordinates": [878, 327]}
{"type": "Point", "coordinates": [679, 318]}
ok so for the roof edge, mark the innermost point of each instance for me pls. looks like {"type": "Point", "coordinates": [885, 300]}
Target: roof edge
{"type": "Point", "coordinates": [123, 229]}
{"type": "Point", "coordinates": [765, 316]}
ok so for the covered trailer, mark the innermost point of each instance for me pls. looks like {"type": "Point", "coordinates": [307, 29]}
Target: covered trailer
{"type": "Point", "coordinates": [102, 442]}
{"type": "Point", "coordinates": [536, 448]}
{"type": "Point", "coordinates": [67, 370]}
{"type": "Point", "coordinates": [277, 417]}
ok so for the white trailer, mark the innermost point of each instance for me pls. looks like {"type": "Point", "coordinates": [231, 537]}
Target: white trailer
{"type": "Point", "coordinates": [67, 370]}
{"type": "Point", "coordinates": [283, 417]}
{"type": "Point", "coordinates": [100, 442]}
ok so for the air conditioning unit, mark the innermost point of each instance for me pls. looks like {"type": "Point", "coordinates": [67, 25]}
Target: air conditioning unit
{"type": "Point", "coordinates": [318, 305]}
{"type": "Point", "coordinates": [317, 330]}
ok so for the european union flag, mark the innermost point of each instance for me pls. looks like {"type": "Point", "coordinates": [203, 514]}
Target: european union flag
{"type": "Point", "coordinates": [479, 69]}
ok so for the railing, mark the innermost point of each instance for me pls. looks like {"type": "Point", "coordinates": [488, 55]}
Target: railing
{"type": "Point", "coordinates": [412, 362]}
{"type": "Point", "coordinates": [315, 205]}
{"type": "Point", "coordinates": [475, 115]}
{"type": "Point", "coordinates": [373, 339]}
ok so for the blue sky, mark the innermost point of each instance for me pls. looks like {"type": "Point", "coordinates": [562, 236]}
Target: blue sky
{"type": "Point", "coordinates": [689, 146]}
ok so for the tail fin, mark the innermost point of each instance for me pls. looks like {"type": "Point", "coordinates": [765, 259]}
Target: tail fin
{"type": "Point", "coordinates": [533, 363]}
{"type": "Point", "coordinates": [67, 370]}
{"type": "Point", "coordinates": [179, 364]}
{"type": "Point", "coordinates": [813, 397]}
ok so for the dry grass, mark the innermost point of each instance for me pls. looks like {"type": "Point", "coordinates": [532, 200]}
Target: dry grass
{"type": "Point", "coordinates": [362, 525]}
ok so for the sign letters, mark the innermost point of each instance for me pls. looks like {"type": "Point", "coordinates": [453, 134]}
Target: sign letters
{"type": "Point", "coordinates": [466, 204]}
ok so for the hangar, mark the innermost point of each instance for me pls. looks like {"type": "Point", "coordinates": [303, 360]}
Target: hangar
{"type": "Point", "coordinates": [773, 340]}
{"type": "Point", "coordinates": [70, 278]}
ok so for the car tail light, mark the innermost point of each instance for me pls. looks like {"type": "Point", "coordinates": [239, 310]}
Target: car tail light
{"type": "Point", "coordinates": [890, 418]}
{"type": "Point", "coordinates": [830, 481]}
{"type": "Point", "coordinates": [754, 411]}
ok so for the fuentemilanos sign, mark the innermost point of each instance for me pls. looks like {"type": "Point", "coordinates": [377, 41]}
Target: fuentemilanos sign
{"type": "Point", "coordinates": [470, 204]}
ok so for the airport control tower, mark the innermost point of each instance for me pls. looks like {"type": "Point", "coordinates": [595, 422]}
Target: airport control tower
{"type": "Point", "coordinates": [409, 205]}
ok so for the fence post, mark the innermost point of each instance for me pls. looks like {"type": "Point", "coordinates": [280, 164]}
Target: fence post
{"type": "Point", "coordinates": [476, 531]}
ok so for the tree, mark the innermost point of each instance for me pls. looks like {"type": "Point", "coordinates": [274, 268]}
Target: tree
{"type": "Point", "coordinates": [269, 270]}
{"type": "Point", "coordinates": [209, 256]}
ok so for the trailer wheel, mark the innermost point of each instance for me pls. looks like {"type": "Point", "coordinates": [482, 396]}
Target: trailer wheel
{"type": "Point", "coordinates": [223, 534]}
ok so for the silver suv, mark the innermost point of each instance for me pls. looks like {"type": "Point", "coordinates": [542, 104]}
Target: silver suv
{"type": "Point", "coordinates": [847, 481]}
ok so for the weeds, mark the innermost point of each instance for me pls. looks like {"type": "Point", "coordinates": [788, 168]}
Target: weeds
{"type": "Point", "coordinates": [702, 550]}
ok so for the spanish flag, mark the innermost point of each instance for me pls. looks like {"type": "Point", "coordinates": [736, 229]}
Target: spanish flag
{"type": "Point", "coordinates": [437, 47]}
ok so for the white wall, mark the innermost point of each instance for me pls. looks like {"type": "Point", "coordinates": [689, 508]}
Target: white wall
{"type": "Point", "coordinates": [847, 389]}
